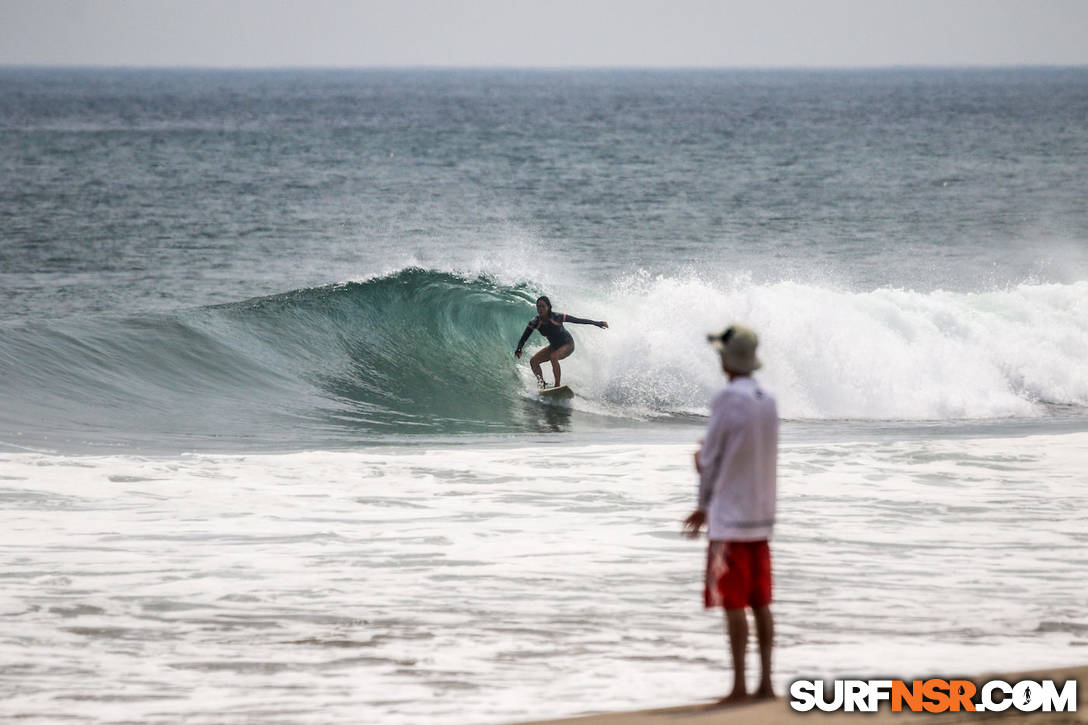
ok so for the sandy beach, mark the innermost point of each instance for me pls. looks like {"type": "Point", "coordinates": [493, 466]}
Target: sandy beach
{"type": "Point", "coordinates": [778, 711]}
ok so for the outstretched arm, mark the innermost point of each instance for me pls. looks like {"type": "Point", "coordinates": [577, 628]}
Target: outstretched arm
{"type": "Point", "coordinates": [580, 321]}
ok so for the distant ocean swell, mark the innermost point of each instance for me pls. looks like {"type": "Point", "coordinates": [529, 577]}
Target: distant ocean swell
{"type": "Point", "coordinates": [430, 351]}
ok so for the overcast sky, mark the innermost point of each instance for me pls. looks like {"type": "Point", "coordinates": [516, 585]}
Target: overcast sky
{"type": "Point", "coordinates": [543, 33]}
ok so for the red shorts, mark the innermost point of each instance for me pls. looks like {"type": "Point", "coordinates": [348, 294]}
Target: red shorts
{"type": "Point", "coordinates": [738, 574]}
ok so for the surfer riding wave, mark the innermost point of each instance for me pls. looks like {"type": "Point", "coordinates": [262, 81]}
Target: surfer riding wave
{"type": "Point", "coordinates": [560, 343]}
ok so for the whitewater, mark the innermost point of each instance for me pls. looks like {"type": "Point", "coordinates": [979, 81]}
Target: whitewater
{"type": "Point", "coordinates": [476, 585]}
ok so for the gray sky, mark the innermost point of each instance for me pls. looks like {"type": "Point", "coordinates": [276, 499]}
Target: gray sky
{"type": "Point", "coordinates": [548, 33]}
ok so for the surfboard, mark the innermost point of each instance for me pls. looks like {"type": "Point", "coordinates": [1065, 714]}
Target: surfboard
{"type": "Point", "coordinates": [563, 392]}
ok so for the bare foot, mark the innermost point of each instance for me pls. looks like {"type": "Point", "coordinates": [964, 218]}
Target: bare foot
{"type": "Point", "coordinates": [730, 700]}
{"type": "Point", "coordinates": [765, 692]}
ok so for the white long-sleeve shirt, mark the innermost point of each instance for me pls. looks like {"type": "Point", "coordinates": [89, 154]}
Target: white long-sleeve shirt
{"type": "Point", "coordinates": [739, 461]}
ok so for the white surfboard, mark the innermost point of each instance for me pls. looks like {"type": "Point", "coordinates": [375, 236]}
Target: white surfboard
{"type": "Point", "coordinates": [563, 392]}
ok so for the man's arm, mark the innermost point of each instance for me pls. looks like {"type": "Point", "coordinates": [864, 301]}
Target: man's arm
{"type": "Point", "coordinates": [709, 458]}
{"type": "Point", "coordinates": [707, 462]}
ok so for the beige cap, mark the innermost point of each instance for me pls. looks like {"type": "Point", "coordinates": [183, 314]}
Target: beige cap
{"type": "Point", "coordinates": [737, 346]}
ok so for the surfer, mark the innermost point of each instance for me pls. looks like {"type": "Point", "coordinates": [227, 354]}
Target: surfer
{"type": "Point", "coordinates": [560, 343]}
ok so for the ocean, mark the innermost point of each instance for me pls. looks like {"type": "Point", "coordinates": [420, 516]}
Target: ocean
{"type": "Point", "coordinates": [266, 454]}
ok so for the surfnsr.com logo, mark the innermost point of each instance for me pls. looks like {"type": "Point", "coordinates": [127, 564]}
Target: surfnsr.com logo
{"type": "Point", "coordinates": [933, 695]}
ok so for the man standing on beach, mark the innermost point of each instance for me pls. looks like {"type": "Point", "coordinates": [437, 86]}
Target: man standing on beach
{"type": "Point", "coordinates": [737, 466]}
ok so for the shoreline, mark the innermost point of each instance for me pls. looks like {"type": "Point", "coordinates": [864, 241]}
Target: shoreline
{"type": "Point", "coordinates": [775, 712]}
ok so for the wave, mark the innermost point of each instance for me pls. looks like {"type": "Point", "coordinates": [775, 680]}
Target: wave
{"type": "Point", "coordinates": [430, 351]}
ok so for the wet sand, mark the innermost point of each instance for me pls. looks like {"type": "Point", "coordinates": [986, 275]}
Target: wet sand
{"type": "Point", "coordinates": [778, 711]}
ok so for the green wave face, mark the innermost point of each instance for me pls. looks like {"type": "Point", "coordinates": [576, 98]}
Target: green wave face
{"type": "Point", "coordinates": [413, 352]}
{"type": "Point", "coordinates": [420, 350]}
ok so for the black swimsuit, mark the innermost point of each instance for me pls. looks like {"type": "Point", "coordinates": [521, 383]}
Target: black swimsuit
{"type": "Point", "coordinates": [552, 328]}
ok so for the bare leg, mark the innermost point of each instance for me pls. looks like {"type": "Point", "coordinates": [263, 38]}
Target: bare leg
{"type": "Point", "coordinates": [765, 633]}
{"type": "Point", "coordinates": [558, 355]}
{"type": "Point", "coordinates": [736, 621]}
{"type": "Point", "coordinates": [541, 355]}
